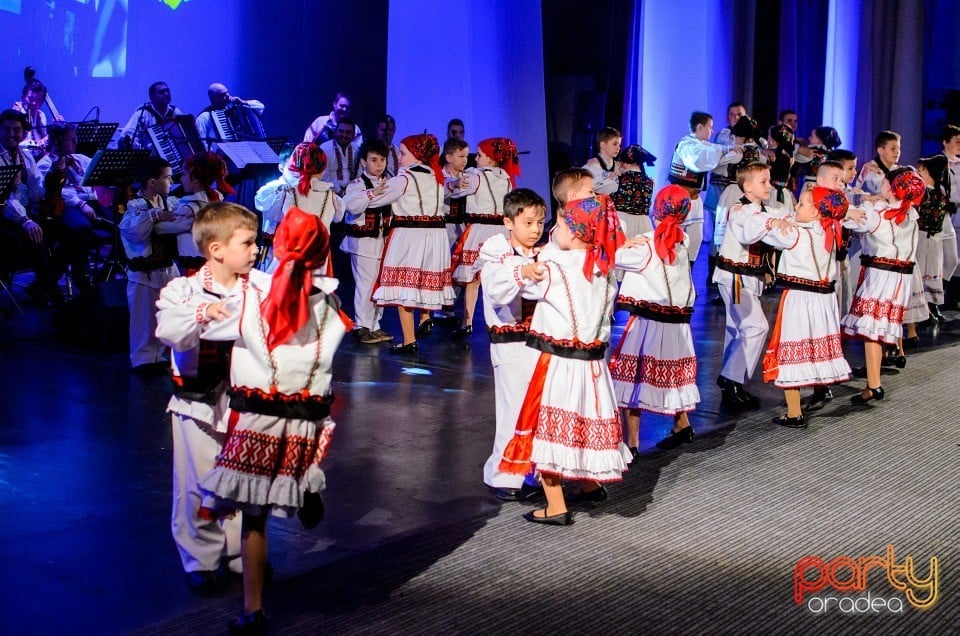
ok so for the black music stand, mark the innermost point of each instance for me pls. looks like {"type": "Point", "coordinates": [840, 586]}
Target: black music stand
{"type": "Point", "coordinates": [93, 136]}
{"type": "Point", "coordinates": [7, 176]}
{"type": "Point", "coordinates": [276, 143]}
{"type": "Point", "coordinates": [114, 168]}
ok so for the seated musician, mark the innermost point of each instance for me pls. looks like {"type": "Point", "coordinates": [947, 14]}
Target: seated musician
{"type": "Point", "coordinates": [343, 154]}
{"type": "Point", "coordinates": [156, 111]}
{"type": "Point", "coordinates": [30, 104]}
{"type": "Point", "coordinates": [220, 98]}
{"type": "Point", "coordinates": [20, 232]}
{"type": "Point", "coordinates": [324, 127]}
{"type": "Point", "coordinates": [80, 205]}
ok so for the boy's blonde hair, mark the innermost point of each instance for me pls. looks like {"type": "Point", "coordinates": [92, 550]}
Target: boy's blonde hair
{"type": "Point", "coordinates": [747, 171]}
{"type": "Point", "coordinates": [567, 180]}
{"type": "Point", "coordinates": [217, 222]}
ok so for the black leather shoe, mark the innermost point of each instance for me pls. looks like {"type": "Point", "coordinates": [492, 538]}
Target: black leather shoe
{"type": "Point", "coordinates": [411, 349]}
{"type": "Point", "coordinates": [821, 395]}
{"type": "Point", "coordinates": [424, 329]}
{"type": "Point", "coordinates": [250, 624]}
{"type": "Point", "coordinates": [875, 394]}
{"type": "Point", "coordinates": [676, 438]}
{"type": "Point", "coordinates": [791, 422]}
{"type": "Point", "coordinates": [312, 511]}
{"type": "Point", "coordinates": [562, 519]}
{"type": "Point", "coordinates": [203, 581]}
{"type": "Point", "coordinates": [590, 496]}
{"type": "Point", "coordinates": [461, 333]}
{"type": "Point", "coordinates": [900, 361]}
{"type": "Point", "coordinates": [751, 400]}
{"type": "Point", "coordinates": [936, 314]}
{"type": "Point", "coordinates": [859, 372]}
{"type": "Point", "coordinates": [522, 493]}
{"type": "Point", "coordinates": [634, 454]}
{"type": "Point", "coordinates": [731, 400]}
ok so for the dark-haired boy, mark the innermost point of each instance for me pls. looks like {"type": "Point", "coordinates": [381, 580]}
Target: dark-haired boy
{"type": "Point", "coordinates": [507, 262]}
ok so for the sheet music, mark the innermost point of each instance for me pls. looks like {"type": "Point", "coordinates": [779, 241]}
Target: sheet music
{"type": "Point", "coordinates": [242, 153]}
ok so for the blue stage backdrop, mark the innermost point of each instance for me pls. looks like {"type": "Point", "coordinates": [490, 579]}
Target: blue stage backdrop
{"type": "Point", "coordinates": [479, 61]}
{"type": "Point", "coordinates": [294, 55]}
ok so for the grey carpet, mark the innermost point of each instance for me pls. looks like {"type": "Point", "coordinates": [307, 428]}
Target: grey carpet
{"type": "Point", "coordinates": [701, 541]}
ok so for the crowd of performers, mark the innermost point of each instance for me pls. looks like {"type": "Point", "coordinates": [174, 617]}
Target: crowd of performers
{"type": "Point", "coordinates": [253, 330]}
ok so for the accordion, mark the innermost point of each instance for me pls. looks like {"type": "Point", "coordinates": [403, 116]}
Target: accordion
{"type": "Point", "coordinates": [176, 140]}
{"type": "Point", "coordinates": [237, 123]}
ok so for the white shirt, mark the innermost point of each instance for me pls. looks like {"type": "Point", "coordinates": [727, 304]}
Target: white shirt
{"type": "Point", "coordinates": [341, 164]}
{"type": "Point", "coordinates": [315, 128]}
{"type": "Point", "coordinates": [25, 193]}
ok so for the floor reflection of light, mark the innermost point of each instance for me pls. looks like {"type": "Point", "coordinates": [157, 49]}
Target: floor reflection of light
{"type": "Point", "coordinates": [415, 371]}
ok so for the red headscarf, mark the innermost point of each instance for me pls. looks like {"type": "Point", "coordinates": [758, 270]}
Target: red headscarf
{"type": "Point", "coordinates": [426, 149]}
{"type": "Point", "coordinates": [670, 208]}
{"type": "Point", "coordinates": [208, 168]}
{"type": "Point", "coordinates": [301, 244]}
{"type": "Point", "coordinates": [504, 152]}
{"type": "Point", "coordinates": [595, 222]}
{"type": "Point", "coordinates": [833, 206]}
{"type": "Point", "coordinates": [307, 161]}
{"type": "Point", "coordinates": [909, 188]}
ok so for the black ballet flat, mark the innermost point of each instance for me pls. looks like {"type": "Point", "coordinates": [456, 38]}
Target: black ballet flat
{"type": "Point", "coordinates": [875, 394]}
{"type": "Point", "coordinates": [411, 349]}
{"type": "Point", "coordinates": [425, 329]}
{"type": "Point", "coordinates": [461, 333]}
{"type": "Point", "coordinates": [562, 519]}
{"type": "Point", "coordinates": [821, 395]}
{"type": "Point", "coordinates": [589, 496]}
{"type": "Point", "coordinates": [900, 361]}
{"type": "Point", "coordinates": [859, 372]}
{"type": "Point", "coordinates": [676, 438]}
{"type": "Point", "coordinates": [791, 422]}
{"type": "Point", "coordinates": [252, 623]}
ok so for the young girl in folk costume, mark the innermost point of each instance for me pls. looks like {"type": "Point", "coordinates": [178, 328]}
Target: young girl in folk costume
{"type": "Point", "coordinates": [932, 215]}
{"type": "Point", "coordinates": [569, 427]}
{"type": "Point", "coordinates": [415, 270]}
{"type": "Point", "coordinates": [804, 348]}
{"type": "Point", "coordinates": [311, 194]}
{"type": "Point", "coordinates": [823, 140]}
{"type": "Point", "coordinates": [201, 172]}
{"type": "Point", "coordinates": [654, 368]}
{"type": "Point", "coordinates": [634, 191]}
{"type": "Point", "coordinates": [285, 335]}
{"type": "Point", "coordinates": [785, 142]}
{"type": "Point", "coordinates": [498, 166]}
{"type": "Point", "coordinates": [889, 237]}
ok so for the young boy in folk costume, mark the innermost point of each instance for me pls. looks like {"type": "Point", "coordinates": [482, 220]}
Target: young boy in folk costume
{"type": "Point", "coordinates": [742, 265]}
{"type": "Point", "coordinates": [150, 247]}
{"type": "Point", "coordinates": [634, 192]}
{"type": "Point", "coordinates": [569, 427]}
{"type": "Point", "coordinates": [201, 172]}
{"type": "Point", "coordinates": [823, 140]}
{"type": "Point", "coordinates": [415, 270]}
{"type": "Point", "coordinates": [284, 333]}
{"type": "Point", "coordinates": [804, 349]}
{"type": "Point", "coordinates": [506, 262]}
{"type": "Point", "coordinates": [498, 166]}
{"type": "Point", "coordinates": [364, 239]}
{"type": "Point", "coordinates": [887, 145]}
{"type": "Point", "coordinates": [604, 165]}
{"type": "Point", "coordinates": [654, 367]}
{"type": "Point", "coordinates": [889, 238]}
{"type": "Point", "coordinates": [226, 234]}
{"type": "Point", "coordinates": [453, 159]}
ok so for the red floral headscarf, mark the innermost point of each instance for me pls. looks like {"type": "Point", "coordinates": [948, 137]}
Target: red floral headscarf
{"type": "Point", "coordinates": [833, 206]}
{"type": "Point", "coordinates": [909, 188]}
{"type": "Point", "coordinates": [504, 152]}
{"type": "Point", "coordinates": [670, 209]}
{"type": "Point", "coordinates": [427, 151]}
{"type": "Point", "coordinates": [307, 161]}
{"type": "Point", "coordinates": [208, 168]}
{"type": "Point", "coordinates": [301, 244]}
{"type": "Point", "coordinates": [595, 222]}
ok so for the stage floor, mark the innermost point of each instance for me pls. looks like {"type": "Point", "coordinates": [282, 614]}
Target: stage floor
{"type": "Point", "coordinates": [703, 539]}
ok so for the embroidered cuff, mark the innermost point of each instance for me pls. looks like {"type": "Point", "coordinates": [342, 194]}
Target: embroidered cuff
{"type": "Point", "coordinates": [201, 313]}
